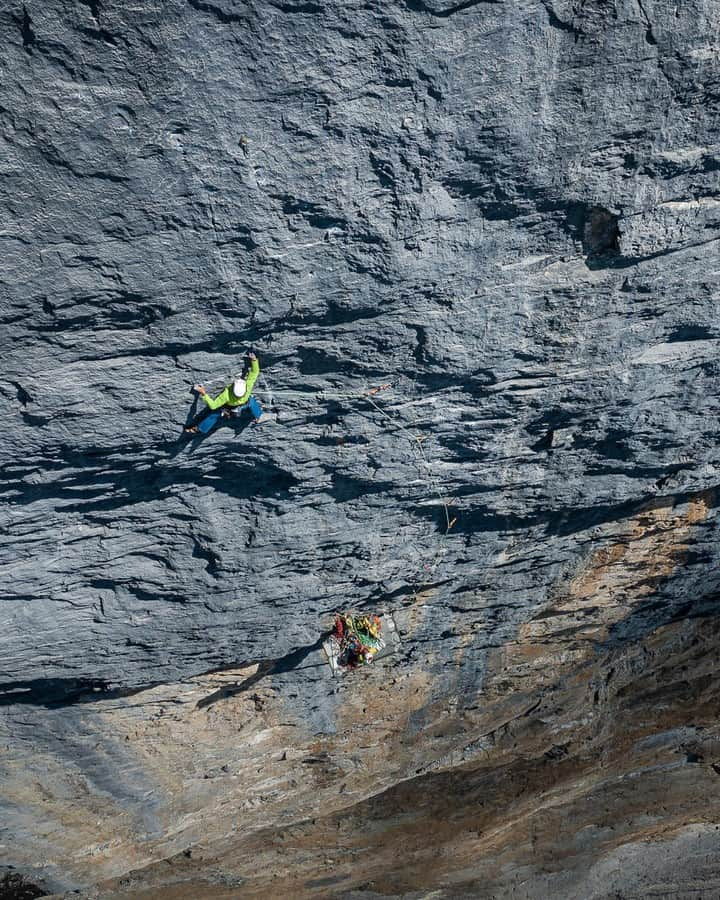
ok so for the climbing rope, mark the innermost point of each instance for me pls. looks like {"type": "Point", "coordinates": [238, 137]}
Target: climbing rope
{"type": "Point", "coordinates": [367, 395]}
{"type": "Point", "coordinates": [268, 388]}
{"type": "Point", "coordinates": [414, 439]}
{"type": "Point", "coordinates": [417, 442]}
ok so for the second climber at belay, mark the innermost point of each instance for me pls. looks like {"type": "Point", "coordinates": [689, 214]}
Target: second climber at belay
{"type": "Point", "coordinates": [237, 395]}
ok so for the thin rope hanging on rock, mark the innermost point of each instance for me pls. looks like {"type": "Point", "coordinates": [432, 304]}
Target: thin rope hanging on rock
{"type": "Point", "coordinates": [368, 395]}
{"type": "Point", "coordinates": [416, 441]}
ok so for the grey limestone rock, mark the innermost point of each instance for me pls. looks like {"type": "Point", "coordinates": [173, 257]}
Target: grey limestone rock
{"type": "Point", "coordinates": [475, 247]}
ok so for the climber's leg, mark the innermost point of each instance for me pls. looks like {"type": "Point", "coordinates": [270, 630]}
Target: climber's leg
{"type": "Point", "coordinates": [255, 409]}
{"type": "Point", "coordinates": [209, 422]}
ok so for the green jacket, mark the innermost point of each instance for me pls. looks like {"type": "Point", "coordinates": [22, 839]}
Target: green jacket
{"type": "Point", "coordinates": [228, 398]}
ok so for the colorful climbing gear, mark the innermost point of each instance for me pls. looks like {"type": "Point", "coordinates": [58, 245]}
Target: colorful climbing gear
{"type": "Point", "coordinates": [358, 639]}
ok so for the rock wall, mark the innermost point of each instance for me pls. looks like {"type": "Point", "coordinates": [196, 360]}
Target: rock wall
{"type": "Point", "coordinates": [475, 249]}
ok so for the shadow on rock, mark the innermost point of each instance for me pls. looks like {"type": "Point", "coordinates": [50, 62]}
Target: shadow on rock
{"type": "Point", "coordinates": [54, 693]}
{"type": "Point", "coordinates": [266, 667]}
{"type": "Point", "coordinates": [14, 886]}
{"type": "Point", "coordinates": [214, 420]}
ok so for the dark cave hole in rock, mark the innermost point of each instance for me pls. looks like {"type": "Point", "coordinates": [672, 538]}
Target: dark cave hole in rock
{"type": "Point", "coordinates": [597, 228]}
{"type": "Point", "coordinates": [600, 232]}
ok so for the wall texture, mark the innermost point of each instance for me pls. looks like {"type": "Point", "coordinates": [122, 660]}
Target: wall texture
{"type": "Point", "coordinates": [505, 217]}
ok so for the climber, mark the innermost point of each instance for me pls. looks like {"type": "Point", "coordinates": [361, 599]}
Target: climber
{"type": "Point", "coordinates": [236, 396]}
{"type": "Point", "coordinates": [357, 639]}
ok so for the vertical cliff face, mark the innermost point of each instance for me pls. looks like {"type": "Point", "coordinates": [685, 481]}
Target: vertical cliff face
{"type": "Point", "coordinates": [474, 246]}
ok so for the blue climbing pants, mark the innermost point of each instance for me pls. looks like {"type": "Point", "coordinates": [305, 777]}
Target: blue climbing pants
{"type": "Point", "coordinates": [211, 420]}
{"type": "Point", "coordinates": [255, 407]}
